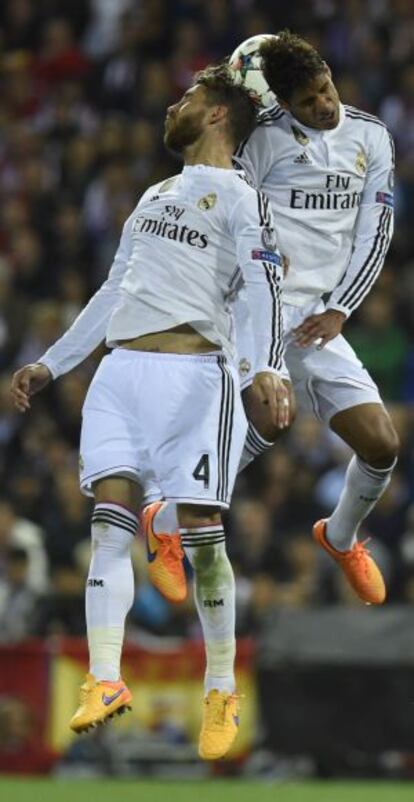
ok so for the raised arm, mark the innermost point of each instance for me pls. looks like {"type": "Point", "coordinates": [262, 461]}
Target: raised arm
{"type": "Point", "coordinates": [373, 230]}
{"type": "Point", "coordinates": [251, 225]}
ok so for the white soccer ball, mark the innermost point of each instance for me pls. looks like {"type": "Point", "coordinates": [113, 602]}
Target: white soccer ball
{"type": "Point", "coordinates": [246, 64]}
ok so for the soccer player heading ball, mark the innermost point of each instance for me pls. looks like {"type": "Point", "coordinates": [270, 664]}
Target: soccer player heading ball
{"type": "Point", "coordinates": [164, 412]}
{"type": "Point", "coordinates": [328, 171]}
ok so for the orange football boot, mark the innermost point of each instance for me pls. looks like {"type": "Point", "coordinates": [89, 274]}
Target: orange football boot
{"type": "Point", "coordinates": [165, 558]}
{"type": "Point", "coordinates": [358, 566]}
{"type": "Point", "coordinates": [100, 701]}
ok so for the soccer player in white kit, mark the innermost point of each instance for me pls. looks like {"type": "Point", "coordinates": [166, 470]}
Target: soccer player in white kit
{"type": "Point", "coordinates": [328, 172]}
{"type": "Point", "coordinates": [164, 405]}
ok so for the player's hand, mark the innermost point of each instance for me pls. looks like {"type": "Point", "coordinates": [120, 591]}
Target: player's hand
{"type": "Point", "coordinates": [323, 327]}
{"type": "Point", "coordinates": [26, 382]}
{"type": "Point", "coordinates": [272, 391]}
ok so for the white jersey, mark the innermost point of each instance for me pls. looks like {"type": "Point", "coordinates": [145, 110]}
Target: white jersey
{"type": "Point", "coordinates": [183, 254]}
{"type": "Point", "coordinates": [331, 195]}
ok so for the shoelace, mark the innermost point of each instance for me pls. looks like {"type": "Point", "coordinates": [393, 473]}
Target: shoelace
{"type": "Point", "coordinates": [216, 710]}
{"type": "Point", "coordinates": [360, 552]}
{"type": "Point", "coordinates": [171, 548]}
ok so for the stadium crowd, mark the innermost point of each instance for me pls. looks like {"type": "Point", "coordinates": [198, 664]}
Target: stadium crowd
{"type": "Point", "coordinates": [84, 88]}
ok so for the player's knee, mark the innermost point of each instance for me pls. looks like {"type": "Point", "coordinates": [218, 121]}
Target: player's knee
{"type": "Point", "coordinates": [382, 443]}
{"type": "Point", "coordinates": [206, 560]}
{"type": "Point", "coordinates": [192, 516]}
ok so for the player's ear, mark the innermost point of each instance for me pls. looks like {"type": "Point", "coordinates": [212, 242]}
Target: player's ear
{"type": "Point", "coordinates": [218, 113]}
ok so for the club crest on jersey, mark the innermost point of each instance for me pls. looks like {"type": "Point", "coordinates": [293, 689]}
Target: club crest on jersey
{"type": "Point", "coordinates": [269, 239]}
{"type": "Point", "coordinates": [208, 202]}
{"type": "Point", "coordinates": [299, 136]}
{"type": "Point", "coordinates": [361, 162]}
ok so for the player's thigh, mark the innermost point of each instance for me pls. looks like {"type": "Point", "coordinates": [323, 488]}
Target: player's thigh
{"type": "Point", "coordinates": [196, 435]}
{"type": "Point", "coordinates": [111, 442]}
{"type": "Point", "coordinates": [198, 515]}
{"type": "Point", "coordinates": [118, 490]}
{"type": "Point", "coordinates": [329, 380]}
{"type": "Point", "coordinates": [369, 431]}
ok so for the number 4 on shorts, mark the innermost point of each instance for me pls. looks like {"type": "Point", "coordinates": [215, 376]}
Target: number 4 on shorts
{"type": "Point", "coordinates": [201, 471]}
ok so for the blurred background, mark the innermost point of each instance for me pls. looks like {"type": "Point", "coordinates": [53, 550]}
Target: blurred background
{"type": "Point", "coordinates": [328, 682]}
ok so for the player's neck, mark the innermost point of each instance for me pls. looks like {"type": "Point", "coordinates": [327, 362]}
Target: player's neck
{"type": "Point", "coordinates": [213, 154]}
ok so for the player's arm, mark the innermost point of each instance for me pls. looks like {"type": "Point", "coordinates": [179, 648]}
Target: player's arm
{"type": "Point", "coordinates": [80, 340]}
{"type": "Point", "coordinates": [372, 236]}
{"type": "Point", "coordinates": [252, 226]}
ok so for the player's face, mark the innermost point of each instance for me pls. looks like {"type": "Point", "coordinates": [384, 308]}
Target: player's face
{"type": "Point", "coordinates": [316, 104]}
{"type": "Point", "coordinates": [186, 120]}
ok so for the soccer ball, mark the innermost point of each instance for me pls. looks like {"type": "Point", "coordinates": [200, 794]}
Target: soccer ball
{"type": "Point", "coordinates": [246, 64]}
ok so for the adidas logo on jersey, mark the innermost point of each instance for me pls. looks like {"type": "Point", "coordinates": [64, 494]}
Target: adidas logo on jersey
{"type": "Point", "coordinates": [303, 158]}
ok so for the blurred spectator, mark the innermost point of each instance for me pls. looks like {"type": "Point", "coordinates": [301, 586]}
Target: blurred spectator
{"type": "Point", "coordinates": [17, 599]}
{"type": "Point", "coordinates": [21, 533]}
{"type": "Point", "coordinates": [21, 750]}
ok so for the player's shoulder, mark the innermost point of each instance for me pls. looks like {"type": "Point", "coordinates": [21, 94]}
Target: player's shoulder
{"type": "Point", "coordinates": [271, 117]}
{"type": "Point", "coordinates": [160, 188]}
{"type": "Point", "coordinates": [357, 116]}
{"type": "Point", "coordinates": [240, 185]}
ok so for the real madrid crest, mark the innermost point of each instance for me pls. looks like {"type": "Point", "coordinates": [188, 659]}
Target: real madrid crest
{"type": "Point", "coordinates": [299, 136]}
{"type": "Point", "coordinates": [208, 202]}
{"type": "Point", "coordinates": [361, 162]}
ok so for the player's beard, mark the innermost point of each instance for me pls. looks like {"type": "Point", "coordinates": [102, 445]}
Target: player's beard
{"type": "Point", "coordinates": [182, 133]}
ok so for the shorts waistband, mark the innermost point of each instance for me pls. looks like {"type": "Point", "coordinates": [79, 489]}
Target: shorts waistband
{"type": "Point", "coordinates": [128, 353]}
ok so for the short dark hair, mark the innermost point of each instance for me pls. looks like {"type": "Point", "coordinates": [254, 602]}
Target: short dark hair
{"type": "Point", "coordinates": [289, 62]}
{"type": "Point", "coordinates": [221, 89]}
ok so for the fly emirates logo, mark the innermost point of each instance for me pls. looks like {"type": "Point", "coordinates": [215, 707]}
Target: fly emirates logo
{"type": "Point", "coordinates": [170, 227]}
{"type": "Point", "coordinates": [337, 195]}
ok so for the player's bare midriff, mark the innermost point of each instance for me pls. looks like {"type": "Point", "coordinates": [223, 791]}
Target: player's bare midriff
{"type": "Point", "coordinates": [179, 340]}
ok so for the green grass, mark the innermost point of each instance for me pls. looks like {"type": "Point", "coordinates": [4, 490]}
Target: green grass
{"type": "Point", "coordinates": [207, 791]}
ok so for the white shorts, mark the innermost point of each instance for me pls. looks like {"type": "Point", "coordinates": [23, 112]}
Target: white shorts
{"type": "Point", "coordinates": [325, 382]}
{"type": "Point", "coordinates": [174, 423]}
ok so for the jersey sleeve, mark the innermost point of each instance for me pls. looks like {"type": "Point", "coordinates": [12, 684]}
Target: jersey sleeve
{"type": "Point", "coordinates": [373, 229]}
{"type": "Point", "coordinates": [252, 226]}
{"type": "Point", "coordinates": [254, 155]}
{"type": "Point", "coordinates": [89, 329]}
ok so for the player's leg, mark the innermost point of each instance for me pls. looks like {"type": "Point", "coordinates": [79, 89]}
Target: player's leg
{"type": "Point", "coordinates": [203, 540]}
{"type": "Point", "coordinates": [109, 472]}
{"type": "Point", "coordinates": [334, 385]}
{"type": "Point", "coordinates": [201, 430]}
{"type": "Point", "coordinates": [369, 431]}
{"type": "Point", "coordinates": [109, 597]}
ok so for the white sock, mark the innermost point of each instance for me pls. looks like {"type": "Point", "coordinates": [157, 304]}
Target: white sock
{"type": "Point", "coordinates": [254, 446]}
{"type": "Point", "coordinates": [364, 485]}
{"type": "Point", "coordinates": [109, 588]}
{"type": "Point", "coordinates": [214, 592]}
